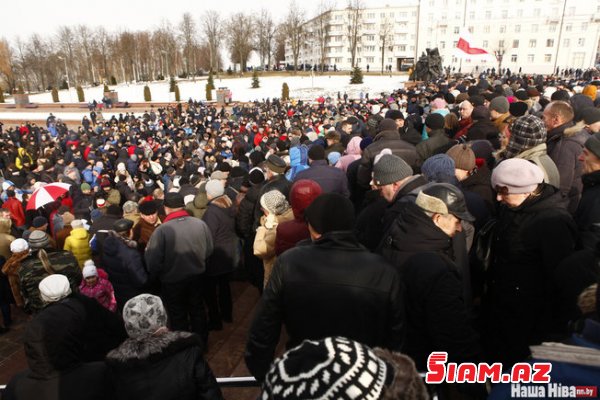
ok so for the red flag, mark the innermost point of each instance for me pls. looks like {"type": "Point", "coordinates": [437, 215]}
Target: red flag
{"type": "Point", "coordinates": [465, 44]}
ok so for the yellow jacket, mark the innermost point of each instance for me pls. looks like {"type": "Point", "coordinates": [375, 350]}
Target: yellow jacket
{"type": "Point", "coordinates": [78, 243]}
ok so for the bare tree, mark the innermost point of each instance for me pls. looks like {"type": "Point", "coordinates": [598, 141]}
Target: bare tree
{"type": "Point", "coordinates": [265, 36]}
{"type": "Point", "coordinates": [280, 38]}
{"type": "Point", "coordinates": [322, 28]}
{"type": "Point", "coordinates": [67, 42]}
{"type": "Point", "coordinates": [386, 38]}
{"type": "Point", "coordinates": [212, 28]}
{"type": "Point", "coordinates": [86, 44]}
{"type": "Point", "coordinates": [7, 66]}
{"type": "Point", "coordinates": [293, 27]}
{"type": "Point", "coordinates": [240, 38]}
{"type": "Point", "coordinates": [355, 8]}
{"type": "Point", "coordinates": [188, 34]}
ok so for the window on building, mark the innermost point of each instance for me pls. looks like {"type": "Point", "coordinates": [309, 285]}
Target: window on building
{"type": "Point", "coordinates": [580, 42]}
{"type": "Point", "coordinates": [502, 28]}
{"type": "Point", "coordinates": [471, 14]}
{"type": "Point", "coordinates": [520, 12]}
{"type": "Point", "coordinates": [390, 59]}
{"type": "Point", "coordinates": [456, 30]}
{"type": "Point", "coordinates": [549, 42]}
{"type": "Point", "coordinates": [402, 47]}
{"type": "Point", "coordinates": [485, 44]}
{"type": "Point", "coordinates": [370, 59]}
{"type": "Point", "coordinates": [516, 44]}
{"type": "Point", "coordinates": [470, 29]}
{"type": "Point", "coordinates": [488, 14]}
{"type": "Point", "coordinates": [486, 29]}
{"type": "Point", "coordinates": [537, 12]}
{"type": "Point", "coordinates": [382, 15]}
{"type": "Point", "coordinates": [443, 45]}
{"type": "Point", "coordinates": [530, 57]}
{"type": "Point", "coordinates": [455, 43]}
{"type": "Point", "coordinates": [568, 27]}
{"type": "Point", "coordinates": [371, 15]}
{"type": "Point", "coordinates": [571, 11]}
{"type": "Point", "coordinates": [535, 28]}
{"type": "Point", "coordinates": [584, 26]}
{"type": "Point", "coordinates": [501, 43]}
{"type": "Point", "coordinates": [532, 43]}
{"type": "Point", "coordinates": [412, 48]}
{"type": "Point", "coordinates": [517, 28]}
{"type": "Point", "coordinates": [552, 27]}
{"type": "Point", "coordinates": [403, 15]}
{"type": "Point", "coordinates": [566, 42]}
{"type": "Point", "coordinates": [338, 17]}
{"type": "Point", "coordinates": [513, 58]}
{"type": "Point", "coordinates": [504, 14]}
{"type": "Point", "coordinates": [547, 58]}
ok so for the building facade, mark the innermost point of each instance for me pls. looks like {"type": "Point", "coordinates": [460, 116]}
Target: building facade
{"type": "Point", "coordinates": [538, 36]}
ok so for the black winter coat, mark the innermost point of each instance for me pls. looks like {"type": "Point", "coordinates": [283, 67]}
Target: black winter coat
{"type": "Point", "coordinates": [167, 366]}
{"type": "Point", "coordinates": [125, 268]}
{"type": "Point", "coordinates": [244, 220]}
{"type": "Point", "coordinates": [331, 179]}
{"type": "Point", "coordinates": [587, 216]}
{"type": "Point", "coordinates": [220, 219]}
{"type": "Point", "coordinates": [480, 182]}
{"type": "Point", "coordinates": [329, 287]}
{"type": "Point", "coordinates": [437, 314]}
{"type": "Point", "coordinates": [530, 241]}
{"type": "Point", "coordinates": [484, 130]}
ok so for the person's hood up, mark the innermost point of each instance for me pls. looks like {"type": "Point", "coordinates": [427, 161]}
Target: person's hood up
{"type": "Point", "coordinates": [79, 233]}
{"type": "Point", "coordinates": [354, 146]}
{"type": "Point", "coordinates": [298, 156]}
{"type": "Point", "coordinates": [302, 194]}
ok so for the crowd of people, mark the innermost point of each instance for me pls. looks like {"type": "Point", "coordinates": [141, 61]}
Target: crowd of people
{"type": "Point", "coordinates": [460, 215]}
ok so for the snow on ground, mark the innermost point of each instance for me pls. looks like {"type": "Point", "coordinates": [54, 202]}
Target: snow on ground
{"type": "Point", "coordinates": [301, 87]}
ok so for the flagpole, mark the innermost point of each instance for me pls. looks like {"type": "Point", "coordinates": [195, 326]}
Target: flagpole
{"type": "Point", "coordinates": [464, 27]}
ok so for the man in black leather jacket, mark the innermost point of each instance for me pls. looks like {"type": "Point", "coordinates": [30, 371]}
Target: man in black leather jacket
{"type": "Point", "coordinates": [326, 287]}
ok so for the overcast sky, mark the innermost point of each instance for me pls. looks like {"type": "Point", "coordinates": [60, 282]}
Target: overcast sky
{"type": "Point", "coordinates": [24, 17]}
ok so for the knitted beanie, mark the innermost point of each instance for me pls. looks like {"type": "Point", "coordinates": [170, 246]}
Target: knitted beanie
{"type": "Point", "coordinates": [316, 152]}
{"type": "Point", "coordinates": [590, 115]}
{"type": "Point", "coordinates": [526, 132]}
{"type": "Point", "coordinates": [89, 270]}
{"type": "Point", "coordinates": [517, 175]}
{"type": "Point", "coordinates": [330, 212]}
{"type": "Point", "coordinates": [499, 104]}
{"type": "Point", "coordinates": [143, 315]}
{"type": "Point", "coordinates": [435, 121]}
{"type": "Point", "coordinates": [593, 144]}
{"type": "Point", "coordinates": [38, 240]}
{"type": "Point", "coordinates": [19, 245]}
{"type": "Point", "coordinates": [214, 188]}
{"type": "Point", "coordinates": [54, 288]}
{"type": "Point", "coordinates": [439, 168]}
{"type": "Point", "coordinates": [274, 202]}
{"type": "Point", "coordinates": [333, 368]}
{"type": "Point", "coordinates": [463, 156]}
{"type": "Point", "coordinates": [333, 157]}
{"type": "Point", "coordinates": [76, 223]}
{"type": "Point", "coordinates": [389, 169]}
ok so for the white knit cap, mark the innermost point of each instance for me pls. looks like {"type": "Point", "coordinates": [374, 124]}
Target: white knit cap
{"type": "Point", "coordinates": [76, 223]}
{"type": "Point", "coordinates": [188, 199]}
{"type": "Point", "coordinates": [214, 188]}
{"type": "Point", "coordinates": [89, 269]}
{"type": "Point", "coordinates": [54, 288]}
{"type": "Point", "coordinates": [19, 245]}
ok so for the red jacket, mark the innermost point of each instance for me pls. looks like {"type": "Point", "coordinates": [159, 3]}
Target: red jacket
{"type": "Point", "coordinates": [16, 211]}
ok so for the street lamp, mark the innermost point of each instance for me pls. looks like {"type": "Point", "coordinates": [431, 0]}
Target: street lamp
{"type": "Point", "coordinates": [67, 75]}
{"type": "Point", "coordinates": [499, 56]}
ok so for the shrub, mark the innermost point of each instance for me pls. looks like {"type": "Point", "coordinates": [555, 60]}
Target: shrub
{"type": "Point", "coordinates": [285, 92]}
{"type": "Point", "coordinates": [55, 95]}
{"type": "Point", "coordinates": [147, 94]}
{"type": "Point", "coordinates": [113, 80]}
{"type": "Point", "coordinates": [208, 92]}
{"type": "Point", "coordinates": [80, 94]}
{"type": "Point", "coordinates": [211, 80]}
{"type": "Point", "coordinates": [64, 85]}
{"type": "Point", "coordinates": [160, 77]}
{"type": "Point", "coordinates": [255, 81]}
{"type": "Point", "coordinates": [1, 95]}
{"type": "Point", "coordinates": [177, 96]}
{"type": "Point", "coordinates": [357, 76]}
{"type": "Point", "coordinates": [229, 71]}
{"type": "Point", "coordinates": [106, 89]}
{"type": "Point", "coordinates": [172, 84]}
{"type": "Point", "coordinates": [20, 90]}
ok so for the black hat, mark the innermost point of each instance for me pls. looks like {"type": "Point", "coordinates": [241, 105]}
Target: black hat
{"type": "Point", "coordinates": [122, 225]}
{"type": "Point", "coordinates": [590, 115]}
{"type": "Point", "coordinates": [394, 114]}
{"type": "Point", "coordinates": [276, 164]}
{"type": "Point", "coordinates": [435, 121]}
{"type": "Point", "coordinates": [444, 198]}
{"type": "Point", "coordinates": [316, 152]}
{"type": "Point", "coordinates": [114, 210]}
{"type": "Point", "coordinates": [477, 100]}
{"type": "Point", "coordinates": [256, 176]}
{"type": "Point", "coordinates": [521, 94]}
{"type": "Point", "coordinates": [330, 212]}
{"type": "Point", "coordinates": [387, 124]}
{"type": "Point", "coordinates": [173, 200]}
{"type": "Point", "coordinates": [39, 221]}
{"type": "Point", "coordinates": [148, 207]}
{"type": "Point", "coordinates": [517, 109]}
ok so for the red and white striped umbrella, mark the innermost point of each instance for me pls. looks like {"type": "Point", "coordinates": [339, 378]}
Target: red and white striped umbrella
{"type": "Point", "coordinates": [47, 194]}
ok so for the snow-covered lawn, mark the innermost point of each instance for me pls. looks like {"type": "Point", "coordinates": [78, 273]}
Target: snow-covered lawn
{"type": "Point", "coordinates": [301, 87]}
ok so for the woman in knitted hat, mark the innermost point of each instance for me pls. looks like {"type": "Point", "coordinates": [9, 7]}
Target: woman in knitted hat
{"type": "Point", "coordinates": [95, 285]}
{"type": "Point", "coordinates": [220, 219]}
{"type": "Point", "coordinates": [78, 242]}
{"type": "Point", "coordinates": [532, 235]}
{"type": "Point", "coordinates": [20, 250]}
{"type": "Point", "coordinates": [276, 210]}
{"type": "Point", "coordinates": [155, 363]}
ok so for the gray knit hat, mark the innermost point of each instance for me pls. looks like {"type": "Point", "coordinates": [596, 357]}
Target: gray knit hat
{"type": "Point", "coordinates": [389, 169]}
{"type": "Point", "coordinates": [274, 202]}
{"type": "Point", "coordinates": [499, 104]}
{"type": "Point", "coordinates": [143, 315]}
{"type": "Point", "coordinates": [38, 240]}
{"type": "Point", "coordinates": [593, 144]}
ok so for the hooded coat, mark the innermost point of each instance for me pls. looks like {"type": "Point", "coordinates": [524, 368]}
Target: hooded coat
{"type": "Point", "coordinates": [289, 233]}
{"type": "Point", "coordinates": [78, 243]}
{"type": "Point", "coordinates": [353, 153]}
{"type": "Point", "coordinates": [298, 162]}
{"type": "Point", "coordinates": [165, 366]}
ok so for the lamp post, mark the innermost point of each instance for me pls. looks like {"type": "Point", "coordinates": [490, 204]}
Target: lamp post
{"type": "Point", "coordinates": [499, 56]}
{"type": "Point", "coordinates": [67, 75]}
